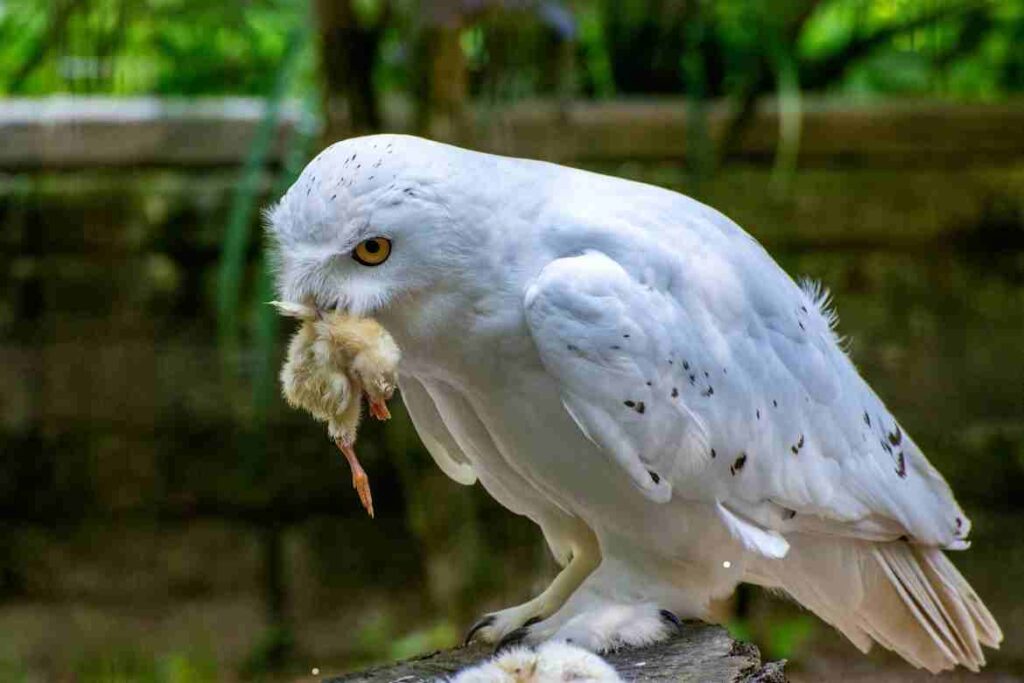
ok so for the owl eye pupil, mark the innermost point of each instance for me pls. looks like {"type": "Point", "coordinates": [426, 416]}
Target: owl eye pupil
{"type": "Point", "coordinates": [371, 252]}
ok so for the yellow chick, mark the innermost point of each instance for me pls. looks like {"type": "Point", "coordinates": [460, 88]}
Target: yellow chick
{"type": "Point", "coordinates": [332, 360]}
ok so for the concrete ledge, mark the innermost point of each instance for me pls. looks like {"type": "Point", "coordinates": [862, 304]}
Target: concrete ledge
{"type": "Point", "coordinates": [67, 133]}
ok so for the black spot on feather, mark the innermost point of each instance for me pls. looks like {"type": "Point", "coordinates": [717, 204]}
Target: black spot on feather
{"type": "Point", "coordinates": [867, 418]}
{"type": "Point", "coordinates": [901, 465]}
{"type": "Point", "coordinates": [675, 392]}
{"type": "Point", "coordinates": [640, 407]}
{"type": "Point", "coordinates": [788, 514]}
{"type": "Point", "coordinates": [708, 392]}
{"type": "Point", "coordinates": [630, 404]}
{"type": "Point", "coordinates": [738, 464]}
{"type": "Point", "coordinates": [654, 476]}
{"type": "Point", "coordinates": [896, 437]}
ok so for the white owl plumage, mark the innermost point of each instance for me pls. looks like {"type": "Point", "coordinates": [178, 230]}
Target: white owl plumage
{"type": "Point", "coordinates": [632, 371]}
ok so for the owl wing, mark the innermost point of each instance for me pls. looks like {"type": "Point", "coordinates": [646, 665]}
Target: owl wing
{"type": "Point", "coordinates": [733, 388]}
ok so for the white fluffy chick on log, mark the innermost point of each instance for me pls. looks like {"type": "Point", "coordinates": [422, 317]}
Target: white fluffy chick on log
{"type": "Point", "coordinates": [553, 661]}
{"type": "Point", "coordinates": [332, 360]}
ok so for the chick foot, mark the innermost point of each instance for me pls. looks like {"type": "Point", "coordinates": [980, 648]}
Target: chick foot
{"type": "Point", "coordinates": [360, 482]}
{"type": "Point", "coordinates": [379, 409]}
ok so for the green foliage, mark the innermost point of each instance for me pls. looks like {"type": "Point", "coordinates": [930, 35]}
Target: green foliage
{"type": "Point", "coordinates": [594, 50]}
{"type": "Point", "coordinates": [127, 47]}
{"type": "Point", "coordinates": [381, 638]}
{"type": "Point", "coordinates": [235, 247]}
{"type": "Point", "coordinates": [962, 48]}
{"type": "Point", "coordinates": [781, 637]}
{"type": "Point", "coordinates": [10, 668]}
{"type": "Point", "coordinates": [129, 664]}
{"type": "Point", "coordinates": [439, 635]}
{"type": "Point", "coordinates": [786, 636]}
{"type": "Point", "coordinates": [740, 630]}
{"type": "Point", "coordinates": [273, 648]}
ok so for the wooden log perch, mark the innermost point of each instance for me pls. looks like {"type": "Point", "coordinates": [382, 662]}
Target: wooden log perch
{"type": "Point", "coordinates": [700, 652]}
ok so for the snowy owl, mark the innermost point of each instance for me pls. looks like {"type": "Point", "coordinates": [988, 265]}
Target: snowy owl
{"type": "Point", "coordinates": [632, 371]}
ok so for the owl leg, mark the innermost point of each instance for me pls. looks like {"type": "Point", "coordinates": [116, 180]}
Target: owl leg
{"type": "Point", "coordinates": [510, 624]}
{"type": "Point", "coordinates": [632, 599]}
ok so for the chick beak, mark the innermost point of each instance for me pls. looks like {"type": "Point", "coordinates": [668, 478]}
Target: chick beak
{"type": "Point", "coordinates": [360, 482]}
{"type": "Point", "coordinates": [379, 409]}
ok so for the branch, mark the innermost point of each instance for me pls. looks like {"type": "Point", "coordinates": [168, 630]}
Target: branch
{"type": "Point", "coordinates": [58, 23]}
{"type": "Point", "coordinates": [821, 72]}
{"type": "Point", "coordinates": [759, 81]}
{"type": "Point", "coordinates": [825, 70]}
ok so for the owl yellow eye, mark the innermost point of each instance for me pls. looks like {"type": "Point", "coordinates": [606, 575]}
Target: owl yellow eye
{"type": "Point", "coordinates": [372, 252]}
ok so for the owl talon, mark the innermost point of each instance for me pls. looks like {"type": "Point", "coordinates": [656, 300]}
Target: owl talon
{"type": "Point", "coordinates": [483, 622]}
{"type": "Point", "coordinates": [512, 639]}
{"type": "Point", "coordinates": [671, 618]}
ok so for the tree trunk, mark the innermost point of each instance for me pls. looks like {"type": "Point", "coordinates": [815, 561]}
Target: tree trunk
{"type": "Point", "coordinates": [348, 53]}
{"type": "Point", "coordinates": [443, 81]}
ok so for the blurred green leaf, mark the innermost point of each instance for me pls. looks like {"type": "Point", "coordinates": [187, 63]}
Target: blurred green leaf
{"type": "Point", "coordinates": [438, 636]}
{"type": "Point", "coordinates": [785, 637]}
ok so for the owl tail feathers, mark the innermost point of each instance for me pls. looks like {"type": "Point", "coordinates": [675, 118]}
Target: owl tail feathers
{"type": "Point", "coordinates": [908, 598]}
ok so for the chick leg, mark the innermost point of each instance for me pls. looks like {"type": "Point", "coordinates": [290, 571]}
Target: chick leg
{"type": "Point", "coordinates": [360, 481]}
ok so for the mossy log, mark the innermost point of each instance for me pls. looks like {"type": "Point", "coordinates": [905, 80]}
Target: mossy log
{"type": "Point", "coordinates": [700, 652]}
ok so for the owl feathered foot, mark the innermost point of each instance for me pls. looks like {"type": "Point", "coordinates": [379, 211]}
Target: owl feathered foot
{"type": "Point", "coordinates": [604, 626]}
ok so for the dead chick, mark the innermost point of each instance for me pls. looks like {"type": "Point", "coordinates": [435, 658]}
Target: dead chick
{"type": "Point", "coordinates": [333, 359]}
{"type": "Point", "coordinates": [552, 661]}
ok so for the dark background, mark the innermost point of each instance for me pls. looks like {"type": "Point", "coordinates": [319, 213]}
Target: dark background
{"type": "Point", "coordinates": [165, 517]}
